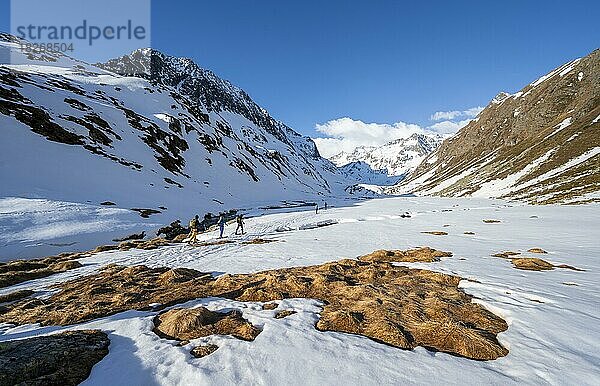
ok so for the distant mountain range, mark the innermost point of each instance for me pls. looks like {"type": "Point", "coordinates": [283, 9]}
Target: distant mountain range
{"type": "Point", "coordinates": [396, 158]}
{"type": "Point", "coordinates": [540, 145]}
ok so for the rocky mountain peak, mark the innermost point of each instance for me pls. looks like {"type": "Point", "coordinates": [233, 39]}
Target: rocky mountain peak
{"type": "Point", "coordinates": [199, 84]}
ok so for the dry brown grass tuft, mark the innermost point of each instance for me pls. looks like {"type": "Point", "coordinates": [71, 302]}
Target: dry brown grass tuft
{"type": "Point", "coordinates": [425, 255]}
{"type": "Point", "coordinates": [215, 242]}
{"type": "Point", "coordinates": [536, 264]}
{"type": "Point", "coordinates": [114, 289]}
{"type": "Point", "coordinates": [506, 254]}
{"type": "Point", "coordinates": [193, 323]}
{"type": "Point", "coordinates": [19, 271]}
{"type": "Point", "coordinates": [284, 313]}
{"type": "Point", "coordinates": [536, 250]}
{"type": "Point", "coordinates": [270, 306]}
{"type": "Point", "coordinates": [259, 241]}
{"type": "Point", "coordinates": [202, 351]}
{"type": "Point", "coordinates": [141, 244]}
{"type": "Point", "coordinates": [396, 305]}
{"type": "Point", "coordinates": [532, 264]}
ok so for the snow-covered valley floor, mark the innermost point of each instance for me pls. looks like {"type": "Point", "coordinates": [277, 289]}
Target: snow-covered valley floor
{"type": "Point", "coordinates": [553, 316]}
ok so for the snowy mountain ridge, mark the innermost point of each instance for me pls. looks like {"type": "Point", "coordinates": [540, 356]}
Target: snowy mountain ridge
{"type": "Point", "coordinates": [540, 145]}
{"type": "Point", "coordinates": [398, 158]}
{"type": "Point", "coordinates": [180, 138]}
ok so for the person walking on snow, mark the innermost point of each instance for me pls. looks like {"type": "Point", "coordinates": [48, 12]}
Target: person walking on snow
{"type": "Point", "coordinates": [316, 208]}
{"type": "Point", "coordinates": [221, 223]}
{"type": "Point", "coordinates": [193, 230]}
{"type": "Point", "coordinates": [325, 207]}
{"type": "Point", "coordinates": [240, 223]}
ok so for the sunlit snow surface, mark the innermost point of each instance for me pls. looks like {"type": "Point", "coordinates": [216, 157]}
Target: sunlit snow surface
{"type": "Point", "coordinates": [553, 317]}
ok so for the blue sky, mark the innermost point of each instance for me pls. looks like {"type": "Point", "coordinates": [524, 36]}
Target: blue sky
{"type": "Point", "coordinates": [309, 62]}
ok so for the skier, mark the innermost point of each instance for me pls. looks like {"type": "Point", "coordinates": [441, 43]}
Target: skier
{"type": "Point", "coordinates": [193, 230]}
{"type": "Point", "coordinates": [221, 223]}
{"type": "Point", "coordinates": [325, 205]}
{"type": "Point", "coordinates": [240, 223]}
{"type": "Point", "coordinates": [316, 208]}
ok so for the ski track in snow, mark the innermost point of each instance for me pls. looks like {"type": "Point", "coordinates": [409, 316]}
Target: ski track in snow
{"type": "Point", "coordinates": [554, 329]}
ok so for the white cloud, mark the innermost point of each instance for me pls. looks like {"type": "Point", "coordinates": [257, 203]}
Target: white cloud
{"type": "Point", "coordinates": [345, 134]}
{"type": "Point", "coordinates": [449, 127]}
{"type": "Point", "coordinates": [438, 115]}
{"type": "Point", "coordinates": [450, 115]}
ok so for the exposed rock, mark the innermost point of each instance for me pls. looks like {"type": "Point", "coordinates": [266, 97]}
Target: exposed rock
{"type": "Point", "coordinates": [536, 250]}
{"type": "Point", "coordinates": [395, 305]}
{"type": "Point", "coordinates": [146, 213]}
{"type": "Point", "coordinates": [469, 233]}
{"type": "Point", "coordinates": [425, 254]}
{"type": "Point", "coordinates": [319, 224]}
{"type": "Point", "coordinates": [284, 313]}
{"type": "Point", "coordinates": [107, 203]}
{"type": "Point", "coordinates": [193, 323]}
{"type": "Point", "coordinates": [174, 230]}
{"type": "Point", "coordinates": [436, 233]}
{"type": "Point", "coordinates": [60, 359]}
{"type": "Point", "coordinates": [202, 351]}
{"type": "Point", "coordinates": [491, 221]}
{"type": "Point", "coordinates": [134, 236]}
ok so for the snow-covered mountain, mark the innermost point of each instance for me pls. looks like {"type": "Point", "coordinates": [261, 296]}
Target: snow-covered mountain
{"type": "Point", "coordinates": [398, 158]}
{"type": "Point", "coordinates": [173, 136]}
{"type": "Point", "coordinates": [362, 172]}
{"type": "Point", "coordinates": [541, 144]}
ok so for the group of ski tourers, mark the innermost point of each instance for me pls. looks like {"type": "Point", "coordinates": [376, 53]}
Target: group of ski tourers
{"type": "Point", "coordinates": [196, 227]}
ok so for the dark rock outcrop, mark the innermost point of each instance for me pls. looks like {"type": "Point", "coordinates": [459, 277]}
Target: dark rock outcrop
{"type": "Point", "coordinates": [60, 359]}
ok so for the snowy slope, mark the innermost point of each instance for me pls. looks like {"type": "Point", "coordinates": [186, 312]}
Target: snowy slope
{"type": "Point", "coordinates": [399, 157]}
{"type": "Point", "coordinates": [72, 132]}
{"type": "Point", "coordinates": [362, 172]}
{"type": "Point", "coordinates": [553, 335]}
